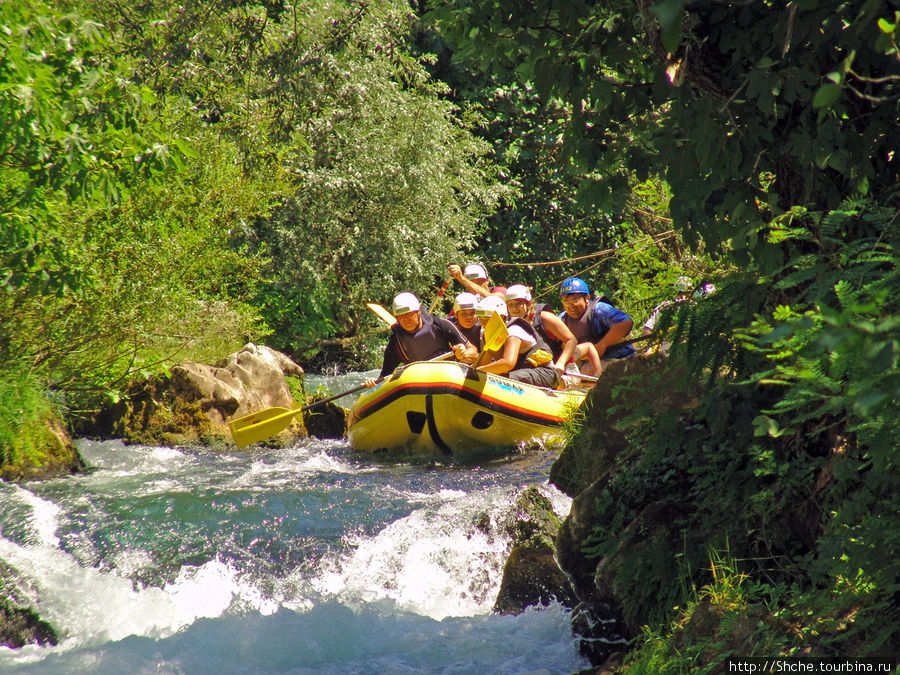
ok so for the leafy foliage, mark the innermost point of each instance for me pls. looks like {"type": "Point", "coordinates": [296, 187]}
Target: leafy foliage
{"type": "Point", "coordinates": [114, 261]}
{"type": "Point", "coordinates": [74, 127]}
{"type": "Point", "coordinates": [546, 228]}
{"type": "Point", "coordinates": [791, 455]}
{"type": "Point", "coordinates": [724, 98]}
{"type": "Point", "coordinates": [375, 183]}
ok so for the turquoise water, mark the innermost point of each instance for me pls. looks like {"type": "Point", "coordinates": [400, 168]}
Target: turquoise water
{"type": "Point", "coordinates": [306, 559]}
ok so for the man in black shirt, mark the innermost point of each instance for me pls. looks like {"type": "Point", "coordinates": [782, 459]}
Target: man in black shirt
{"type": "Point", "coordinates": [418, 336]}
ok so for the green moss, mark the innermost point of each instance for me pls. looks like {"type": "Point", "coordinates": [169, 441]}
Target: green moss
{"type": "Point", "coordinates": [25, 412]}
{"type": "Point", "coordinates": [295, 384]}
{"type": "Point", "coordinates": [34, 442]}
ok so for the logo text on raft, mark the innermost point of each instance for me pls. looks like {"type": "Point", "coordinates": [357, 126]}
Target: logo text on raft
{"type": "Point", "coordinates": [508, 386]}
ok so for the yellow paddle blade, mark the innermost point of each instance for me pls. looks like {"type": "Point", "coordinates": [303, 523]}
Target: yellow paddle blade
{"type": "Point", "coordinates": [257, 417]}
{"type": "Point", "coordinates": [254, 428]}
{"type": "Point", "coordinates": [382, 313]}
{"type": "Point", "coordinates": [495, 333]}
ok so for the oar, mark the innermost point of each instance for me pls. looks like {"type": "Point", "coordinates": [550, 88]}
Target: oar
{"type": "Point", "coordinates": [594, 378]}
{"type": "Point", "coordinates": [439, 296]}
{"type": "Point", "coordinates": [628, 342]}
{"type": "Point", "coordinates": [258, 426]}
{"type": "Point", "coordinates": [382, 313]}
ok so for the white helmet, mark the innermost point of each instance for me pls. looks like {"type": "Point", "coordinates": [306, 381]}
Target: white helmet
{"type": "Point", "coordinates": [491, 304]}
{"type": "Point", "coordinates": [705, 289]}
{"type": "Point", "coordinates": [475, 271]}
{"type": "Point", "coordinates": [465, 301]}
{"type": "Point", "coordinates": [683, 284]}
{"type": "Point", "coordinates": [518, 292]}
{"type": "Point", "coordinates": [405, 303]}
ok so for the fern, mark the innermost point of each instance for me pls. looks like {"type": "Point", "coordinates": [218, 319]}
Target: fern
{"type": "Point", "coordinates": [790, 455]}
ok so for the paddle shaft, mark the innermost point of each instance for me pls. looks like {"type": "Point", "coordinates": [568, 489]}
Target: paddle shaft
{"type": "Point", "coordinates": [628, 342]}
{"type": "Point", "coordinates": [336, 396]}
{"type": "Point", "coordinates": [439, 296]}
{"type": "Point", "coordinates": [594, 378]}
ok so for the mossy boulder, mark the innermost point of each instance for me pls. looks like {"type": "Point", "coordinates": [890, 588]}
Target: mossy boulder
{"type": "Point", "coordinates": [54, 455]}
{"type": "Point", "coordinates": [328, 420]}
{"type": "Point", "coordinates": [21, 626]}
{"type": "Point", "coordinates": [583, 471]}
{"type": "Point", "coordinates": [195, 403]}
{"type": "Point", "coordinates": [531, 575]}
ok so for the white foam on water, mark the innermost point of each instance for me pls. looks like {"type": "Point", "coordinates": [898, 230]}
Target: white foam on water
{"type": "Point", "coordinates": [90, 607]}
{"type": "Point", "coordinates": [335, 639]}
{"type": "Point", "coordinates": [418, 497]}
{"type": "Point", "coordinates": [158, 487]}
{"type": "Point", "coordinates": [285, 466]}
{"type": "Point", "coordinates": [442, 560]}
{"type": "Point", "coordinates": [560, 501]}
{"type": "Point", "coordinates": [118, 460]}
{"type": "Point", "coordinates": [44, 518]}
{"type": "Point", "coordinates": [416, 596]}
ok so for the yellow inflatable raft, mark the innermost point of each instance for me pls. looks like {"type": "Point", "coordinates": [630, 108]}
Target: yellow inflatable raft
{"type": "Point", "coordinates": [446, 409]}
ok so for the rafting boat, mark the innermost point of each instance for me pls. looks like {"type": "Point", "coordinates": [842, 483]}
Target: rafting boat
{"type": "Point", "coordinates": [446, 409]}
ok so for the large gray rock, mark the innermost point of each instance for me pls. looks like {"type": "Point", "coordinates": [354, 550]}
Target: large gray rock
{"type": "Point", "coordinates": [531, 575]}
{"type": "Point", "coordinates": [600, 443]}
{"type": "Point", "coordinates": [583, 471]}
{"type": "Point", "coordinates": [196, 402]}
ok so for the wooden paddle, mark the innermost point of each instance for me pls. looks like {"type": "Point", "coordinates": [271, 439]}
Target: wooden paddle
{"type": "Point", "coordinates": [382, 313]}
{"type": "Point", "coordinates": [262, 424]}
{"type": "Point", "coordinates": [439, 296]}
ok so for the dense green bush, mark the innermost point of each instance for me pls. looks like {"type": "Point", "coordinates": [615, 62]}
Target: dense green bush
{"type": "Point", "coordinates": [25, 410]}
{"type": "Point", "coordinates": [789, 462]}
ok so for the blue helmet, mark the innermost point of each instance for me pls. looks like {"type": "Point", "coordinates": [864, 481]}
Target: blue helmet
{"type": "Point", "coordinates": [574, 285]}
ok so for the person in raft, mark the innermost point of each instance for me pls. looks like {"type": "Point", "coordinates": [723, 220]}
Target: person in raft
{"type": "Point", "coordinates": [474, 278]}
{"type": "Point", "coordinates": [594, 321]}
{"type": "Point", "coordinates": [682, 286]}
{"type": "Point", "coordinates": [418, 336]}
{"type": "Point", "coordinates": [524, 357]}
{"type": "Point", "coordinates": [465, 320]}
{"type": "Point", "coordinates": [552, 330]}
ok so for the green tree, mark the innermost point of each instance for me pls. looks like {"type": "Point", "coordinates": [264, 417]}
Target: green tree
{"type": "Point", "coordinates": [110, 253]}
{"type": "Point", "coordinates": [74, 127]}
{"type": "Point", "coordinates": [774, 125]}
{"type": "Point", "coordinates": [544, 230]}
{"type": "Point", "coordinates": [748, 109]}
{"type": "Point", "coordinates": [377, 183]}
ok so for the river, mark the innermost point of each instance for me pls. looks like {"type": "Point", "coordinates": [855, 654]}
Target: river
{"type": "Point", "coordinates": [308, 559]}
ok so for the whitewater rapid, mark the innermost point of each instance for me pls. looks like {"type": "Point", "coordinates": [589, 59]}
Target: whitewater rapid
{"type": "Point", "coordinates": [302, 559]}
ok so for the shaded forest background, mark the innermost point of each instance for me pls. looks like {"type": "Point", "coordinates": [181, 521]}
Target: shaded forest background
{"type": "Point", "coordinates": [177, 179]}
